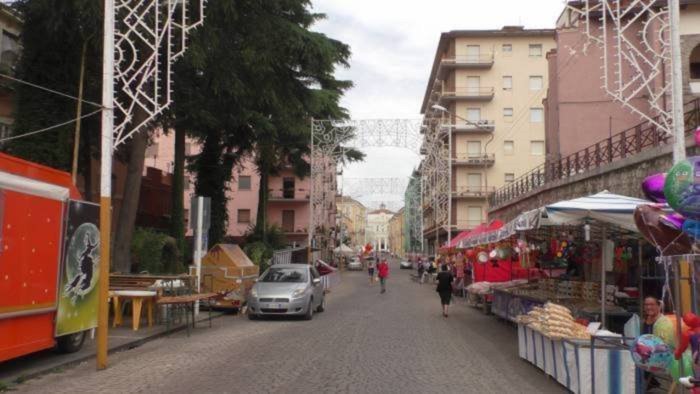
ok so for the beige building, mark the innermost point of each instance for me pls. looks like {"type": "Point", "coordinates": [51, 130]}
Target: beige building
{"type": "Point", "coordinates": [352, 218]}
{"type": "Point", "coordinates": [396, 233]}
{"type": "Point", "coordinates": [492, 84]}
{"type": "Point", "coordinates": [377, 230]}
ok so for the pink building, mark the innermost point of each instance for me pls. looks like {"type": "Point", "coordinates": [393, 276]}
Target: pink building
{"type": "Point", "coordinates": [579, 113]}
{"type": "Point", "coordinates": [288, 205]}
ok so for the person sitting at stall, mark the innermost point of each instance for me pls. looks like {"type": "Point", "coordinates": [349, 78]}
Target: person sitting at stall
{"type": "Point", "coordinates": [656, 323]}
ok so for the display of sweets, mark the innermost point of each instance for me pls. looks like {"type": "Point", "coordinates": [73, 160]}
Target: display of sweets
{"type": "Point", "coordinates": [554, 321]}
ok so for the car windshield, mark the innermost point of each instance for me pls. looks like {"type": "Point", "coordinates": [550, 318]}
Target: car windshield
{"type": "Point", "coordinates": [285, 275]}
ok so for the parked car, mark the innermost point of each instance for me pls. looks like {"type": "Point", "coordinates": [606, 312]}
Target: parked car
{"type": "Point", "coordinates": [287, 289]}
{"type": "Point", "coordinates": [406, 265]}
{"type": "Point", "coordinates": [355, 264]}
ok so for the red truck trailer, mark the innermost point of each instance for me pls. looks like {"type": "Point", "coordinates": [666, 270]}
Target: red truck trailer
{"type": "Point", "coordinates": [49, 260]}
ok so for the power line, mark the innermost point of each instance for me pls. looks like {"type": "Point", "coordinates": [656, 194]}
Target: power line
{"type": "Point", "coordinates": [14, 137]}
{"type": "Point", "coordinates": [11, 78]}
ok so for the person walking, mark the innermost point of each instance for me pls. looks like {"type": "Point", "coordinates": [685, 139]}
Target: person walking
{"type": "Point", "coordinates": [383, 273]}
{"type": "Point", "coordinates": [371, 265]}
{"type": "Point", "coordinates": [444, 288]}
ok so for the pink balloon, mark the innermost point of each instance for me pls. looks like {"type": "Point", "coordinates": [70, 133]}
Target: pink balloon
{"type": "Point", "coordinates": [674, 220]}
{"type": "Point", "coordinates": [653, 187]}
{"type": "Point", "coordinates": [697, 136]}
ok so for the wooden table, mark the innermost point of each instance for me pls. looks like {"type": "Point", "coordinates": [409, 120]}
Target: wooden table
{"type": "Point", "coordinates": [137, 298]}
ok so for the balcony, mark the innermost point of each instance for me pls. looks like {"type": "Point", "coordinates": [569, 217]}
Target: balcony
{"type": "Point", "coordinates": [472, 192]}
{"type": "Point", "coordinates": [300, 232]}
{"type": "Point", "coordinates": [300, 196]}
{"type": "Point", "coordinates": [465, 159]}
{"type": "Point", "coordinates": [477, 126]}
{"type": "Point", "coordinates": [467, 224]}
{"type": "Point", "coordinates": [480, 94]}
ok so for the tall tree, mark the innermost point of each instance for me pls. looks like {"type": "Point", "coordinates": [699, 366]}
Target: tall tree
{"type": "Point", "coordinates": [53, 36]}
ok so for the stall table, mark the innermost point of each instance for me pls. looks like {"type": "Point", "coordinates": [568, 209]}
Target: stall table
{"type": "Point", "coordinates": [137, 298]}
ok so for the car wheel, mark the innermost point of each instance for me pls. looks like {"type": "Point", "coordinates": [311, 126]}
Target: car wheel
{"type": "Point", "coordinates": [309, 311]}
{"type": "Point", "coordinates": [322, 305]}
{"type": "Point", "coordinates": [71, 343]}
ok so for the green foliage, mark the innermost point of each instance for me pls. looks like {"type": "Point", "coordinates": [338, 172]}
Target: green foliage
{"type": "Point", "coordinates": [154, 252]}
{"type": "Point", "coordinates": [260, 244]}
{"type": "Point", "coordinates": [52, 39]}
{"type": "Point", "coordinates": [259, 253]}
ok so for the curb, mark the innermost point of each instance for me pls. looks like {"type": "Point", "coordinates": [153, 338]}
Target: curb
{"type": "Point", "coordinates": [10, 385]}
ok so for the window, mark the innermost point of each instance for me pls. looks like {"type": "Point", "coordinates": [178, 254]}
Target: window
{"type": "Point", "coordinates": [244, 182]}
{"type": "Point", "coordinates": [535, 50]}
{"type": "Point", "coordinates": [474, 180]}
{"type": "Point", "coordinates": [507, 49]}
{"type": "Point", "coordinates": [473, 85]}
{"type": "Point", "coordinates": [244, 216]}
{"type": "Point", "coordinates": [188, 149]}
{"type": "Point", "coordinates": [288, 187]}
{"type": "Point", "coordinates": [288, 221]}
{"type": "Point", "coordinates": [508, 147]}
{"type": "Point", "coordinates": [508, 114]}
{"type": "Point", "coordinates": [473, 53]}
{"type": "Point", "coordinates": [536, 82]}
{"type": "Point", "coordinates": [536, 115]}
{"type": "Point", "coordinates": [474, 114]}
{"type": "Point", "coordinates": [473, 148]}
{"type": "Point", "coordinates": [507, 82]}
{"type": "Point", "coordinates": [695, 63]}
{"type": "Point", "coordinates": [509, 177]}
{"type": "Point", "coordinates": [474, 214]}
{"type": "Point", "coordinates": [537, 148]}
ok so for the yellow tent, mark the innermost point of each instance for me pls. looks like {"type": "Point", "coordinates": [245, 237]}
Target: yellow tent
{"type": "Point", "coordinates": [228, 271]}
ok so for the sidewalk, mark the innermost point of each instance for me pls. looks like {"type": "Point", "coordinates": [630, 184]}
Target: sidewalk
{"type": "Point", "coordinates": [120, 338]}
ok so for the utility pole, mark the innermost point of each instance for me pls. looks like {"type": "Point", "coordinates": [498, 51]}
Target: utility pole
{"type": "Point", "coordinates": [676, 82]}
{"type": "Point", "coordinates": [106, 144]}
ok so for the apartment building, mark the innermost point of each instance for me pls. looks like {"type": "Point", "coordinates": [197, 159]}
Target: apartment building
{"type": "Point", "coordinates": [488, 86]}
{"type": "Point", "coordinates": [377, 231]}
{"type": "Point", "coordinates": [10, 29]}
{"type": "Point", "coordinates": [396, 233]}
{"type": "Point", "coordinates": [288, 203]}
{"type": "Point", "coordinates": [579, 113]}
{"type": "Point", "coordinates": [352, 221]}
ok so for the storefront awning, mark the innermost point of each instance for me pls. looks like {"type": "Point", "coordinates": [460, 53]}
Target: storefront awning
{"type": "Point", "coordinates": [604, 206]}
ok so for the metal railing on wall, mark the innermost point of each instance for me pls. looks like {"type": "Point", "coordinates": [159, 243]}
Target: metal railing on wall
{"type": "Point", "coordinates": [622, 145]}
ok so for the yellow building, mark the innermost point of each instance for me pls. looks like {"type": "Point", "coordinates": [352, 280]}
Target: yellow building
{"type": "Point", "coordinates": [396, 233]}
{"type": "Point", "coordinates": [352, 218]}
{"type": "Point", "coordinates": [488, 85]}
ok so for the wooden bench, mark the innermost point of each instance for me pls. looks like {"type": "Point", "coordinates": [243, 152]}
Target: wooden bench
{"type": "Point", "coordinates": [187, 302]}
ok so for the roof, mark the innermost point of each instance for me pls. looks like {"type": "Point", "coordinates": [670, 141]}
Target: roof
{"type": "Point", "coordinates": [227, 255]}
{"type": "Point", "coordinates": [380, 211]}
{"type": "Point", "coordinates": [445, 38]}
{"type": "Point", "coordinates": [349, 200]}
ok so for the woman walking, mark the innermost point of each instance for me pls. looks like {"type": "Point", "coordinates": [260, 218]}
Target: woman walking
{"type": "Point", "coordinates": [383, 273]}
{"type": "Point", "coordinates": [370, 270]}
{"type": "Point", "coordinates": [444, 288]}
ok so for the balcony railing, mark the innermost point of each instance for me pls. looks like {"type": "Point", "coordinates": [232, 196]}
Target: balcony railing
{"type": "Point", "coordinates": [472, 191]}
{"type": "Point", "coordinates": [466, 224]}
{"type": "Point", "coordinates": [288, 195]}
{"type": "Point", "coordinates": [467, 93]}
{"type": "Point", "coordinates": [477, 126]}
{"type": "Point", "coordinates": [465, 159]}
{"type": "Point", "coordinates": [483, 61]}
{"type": "Point", "coordinates": [620, 146]}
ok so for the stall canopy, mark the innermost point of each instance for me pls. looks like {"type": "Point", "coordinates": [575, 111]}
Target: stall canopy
{"type": "Point", "coordinates": [344, 249]}
{"type": "Point", "coordinates": [604, 206]}
{"type": "Point", "coordinates": [456, 240]}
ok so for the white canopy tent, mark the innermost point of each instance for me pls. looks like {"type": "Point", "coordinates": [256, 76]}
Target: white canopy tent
{"type": "Point", "coordinates": [343, 249]}
{"type": "Point", "coordinates": [604, 206]}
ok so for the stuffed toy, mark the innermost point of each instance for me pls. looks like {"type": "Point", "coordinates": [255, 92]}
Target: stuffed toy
{"type": "Point", "coordinates": [691, 337]}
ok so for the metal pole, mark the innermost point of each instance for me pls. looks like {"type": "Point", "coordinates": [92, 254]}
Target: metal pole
{"type": "Point", "coordinates": [676, 265]}
{"type": "Point", "coordinates": [198, 247]}
{"type": "Point", "coordinates": [449, 185]}
{"type": "Point", "coordinates": [311, 197]}
{"type": "Point", "coordinates": [603, 294]}
{"type": "Point", "coordinates": [676, 82]}
{"type": "Point", "coordinates": [106, 143]}
{"type": "Point", "coordinates": [78, 114]}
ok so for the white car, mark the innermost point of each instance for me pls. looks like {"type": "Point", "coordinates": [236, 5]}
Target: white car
{"type": "Point", "coordinates": [406, 265]}
{"type": "Point", "coordinates": [355, 265]}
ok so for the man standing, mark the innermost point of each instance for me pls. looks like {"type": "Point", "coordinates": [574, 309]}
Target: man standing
{"type": "Point", "coordinates": [383, 273]}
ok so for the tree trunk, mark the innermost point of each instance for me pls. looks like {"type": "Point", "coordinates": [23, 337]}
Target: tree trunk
{"type": "Point", "coordinates": [130, 204]}
{"type": "Point", "coordinates": [177, 216]}
{"type": "Point", "coordinates": [263, 196]}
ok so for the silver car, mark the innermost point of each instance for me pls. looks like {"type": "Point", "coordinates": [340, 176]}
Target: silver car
{"type": "Point", "coordinates": [288, 290]}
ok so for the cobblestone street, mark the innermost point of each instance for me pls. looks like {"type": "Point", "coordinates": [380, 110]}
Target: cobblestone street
{"type": "Point", "coordinates": [364, 342]}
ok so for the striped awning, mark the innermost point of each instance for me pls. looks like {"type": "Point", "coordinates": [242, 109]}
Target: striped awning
{"type": "Point", "coordinates": [604, 206]}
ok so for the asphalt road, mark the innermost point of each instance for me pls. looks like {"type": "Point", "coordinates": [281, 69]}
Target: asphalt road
{"type": "Point", "coordinates": [364, 343]}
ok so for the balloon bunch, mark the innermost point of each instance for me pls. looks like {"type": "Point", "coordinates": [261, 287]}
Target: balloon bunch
{"type": "Point", "coordinates": [672, 232]}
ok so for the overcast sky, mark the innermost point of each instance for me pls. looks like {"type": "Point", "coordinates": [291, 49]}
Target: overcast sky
{"type": "Point", "coordinates": [393, 44]}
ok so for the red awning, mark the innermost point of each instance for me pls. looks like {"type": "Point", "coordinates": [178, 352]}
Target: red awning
{"type": "Point", "coordinates": [453, 243]}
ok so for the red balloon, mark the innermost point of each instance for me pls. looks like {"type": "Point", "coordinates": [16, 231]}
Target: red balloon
{"type": "Point", "coordinates": [471, 253]}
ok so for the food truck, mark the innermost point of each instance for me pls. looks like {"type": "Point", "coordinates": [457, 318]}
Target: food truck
{"type": "Point", "coordinates": [49, 260]}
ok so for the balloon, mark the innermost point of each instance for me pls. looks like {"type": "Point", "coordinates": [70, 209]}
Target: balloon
{"type": "Point", "coordinates": [682, 190]}
{"type": "Point", "coordinates": [674, 220]}
{"type": "Point", "coordinates": [501, 253]}
{"type": "Point", "coordinates": [483, 257]}
{"type": "Point", "coordinates": [671, 241]}
{"type": "Point", "coordinates": [692, 228]}
{"type": "Point", "coordinates": [674, 367]}
{"type": "Point", "coordinates": [470, 253]}
{"type": "Point", "coordinates": [697, 136]}
{"type": "Point", "coordinates": [493, 254]}
{"type": "Point", "coordinates": [651, 354]}
{"type": "Point", "coordinates": [653, 187]}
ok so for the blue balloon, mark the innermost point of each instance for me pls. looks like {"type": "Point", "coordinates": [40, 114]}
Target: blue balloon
{"type": "Point", "coordinates": [692, 228]}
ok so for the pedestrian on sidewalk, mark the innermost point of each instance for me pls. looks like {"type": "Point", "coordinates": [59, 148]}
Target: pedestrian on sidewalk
{"type": "Point", "coordinates": [444, 288]}
{"type": "Point", "coordinates": [371, 265]}
{"type": "Point", "coordinates": [383, 272]}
